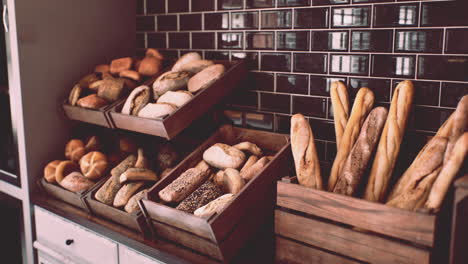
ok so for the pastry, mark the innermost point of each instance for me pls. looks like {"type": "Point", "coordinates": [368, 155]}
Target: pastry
{"type": "Point", "coordinates": [195, 66]}
{"type": "Point", "coordinates": [205, 78]}
{"type": "Point", "coordinates": [249, 147]}
{"type": "Point", "coordinates": [93, 165]}
{"type": "Point", "coordinates": [177, 98]}
{"type": "Point", "coordinates": [169, 81]}
{"type": "Point", "coordinates": [49, 171]}
{"type": "Point", "coordinates": [232, 181]}
{"type": "Point", "coordinates": [155, 111]}
{"type": "Point", "coordinates": [215, 206]}
{"type": "Point", "coordinates": [138, 174]}
{"type": "Point", "coordinates": [137, 99]}
{"type": "Point", "coordinates": [64, 168]}
{"type": "Point", "coordinates": [126, 192]}
{"type": "Point", "coordinates": [92, 101]}
{"type": "Point", "coordinates": [340, 102]}
{"type": "Point", "coordinates": [111, 89]}
{"type": "Point", "coordinates": [223, 156]}
{"type": "Point", "coordinates": [253, 170]}
{"type": "Point", "coordinates": [183, 186]}
{"type": "Point", "coordinates": [121, 64]}
{"type": "Point", "coordinates": [132, 204]}
{"type": "Point", "coordinates": [75, 182]}
{"type": "Point", "coordinates": [74, 150]}
{"type": "Point", "coordinates": [218, 178]}
{"type": "Point", "coordinates": [186, 58]}
{"type": "Point", "coordinates": [204, 194]}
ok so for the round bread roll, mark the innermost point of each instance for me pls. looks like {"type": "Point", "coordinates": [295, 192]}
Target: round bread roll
{"type": "Point", "coordinates": [64, 168]}
{"type": "Point", "coordinates": [74, 150]}
{"type": "Point", "coordinates": [205, 78]}
{"type": "Point", "coordinates": [149, 66]}
{"type": "Point", "coordinates": [177, 98]}
{"type": "Point", "coordinates": [154, 53]}
{"type": "Point", "coordinates": [186, 58]}
{"type": "Point", "coordinates": [195, 66]}
{"type": "Point", "coordinates": [137, 99]}
{"type": "Point", "coordinates": [49, 171]}
{"type": "Point", "coordinates": [93, 165]}
{"type": "Point", "coordinates": [169, 81]}
{"type": "Point", "coordinates": [75, 182]}
{"type": "Point", "coordinates": [223, 156]}
{"type": "Point", "coordinates": [121, 64]}
{"type": "Point", "coordinates": [155, 111]}
{"type": "Point", "coordinates": [92, 101]}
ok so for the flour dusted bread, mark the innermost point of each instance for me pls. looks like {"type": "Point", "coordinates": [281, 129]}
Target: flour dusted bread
{"type": "Point", "coordinates": [132, 204]}
{"type": "Point", "coordinates": [205, 78]}
{"type": "Point", "coordinates": [249, 147]}
{"type": "Point", "coordinates": [106, 194]}
{"type": "Point", "coordinates": [186, 58]}
{"type": "Point", "coordinates": [169, 81]}
{"type": "Point", "coordinates": [155, 111]}
{"type": "Point", "coordinates": [137, 99]}
{"type": "Point", "coordinates": [195, 66]}
{"type": "Point", "coordinates": [340, 102]}
{"type": "Point", "coordinates": [126, 192]}
{"type": "Point", "coordinates": [458, 126]}
{"type": "Point", "coordinates": [183, 186]}
{"type": "Point", "coordinates": [305, 153]}
{"type": "Point", "coordinates": [177, 98]}
{"type": "Point", "coordinates": [250, 172]}
{"type": "Point", "coordinates": [215, 206]}
{"type": "Point", "coordinates": [93, 165]}
{"type": "Point", "coordinates": [76, 182]}
{"type": "Point", "coordinates": [223, 156]}
{"type": "Point", "coordinates": [204, 194]}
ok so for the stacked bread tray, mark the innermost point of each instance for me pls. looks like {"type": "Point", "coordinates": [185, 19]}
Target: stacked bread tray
{"type": "Point", "coordinates": [171, 125]}
{"type": "Point", "coordinates": [222, 233]}
{"type": "Point", "coordinates": [73, 198]}
{"type": "Point", "coordinates": [93, 116]}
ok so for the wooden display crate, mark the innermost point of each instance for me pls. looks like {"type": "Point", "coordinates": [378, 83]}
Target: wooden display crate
{"type": "Point", "coordinates": [222, 235]}
{"type": "Point", "coordinates": [171, 125]}
{"type": "Point", "coordinates": [56, 191]}
{"type": "Point", "coordinates": [334, 228]}
{"type": "Point", "coordinates": [88, 115]}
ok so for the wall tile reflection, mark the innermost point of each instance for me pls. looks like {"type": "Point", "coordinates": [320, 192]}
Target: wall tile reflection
{"type": "Point", "coordinates": [451, 93]}
{"type": "Point", "coordinates": [311, 18]}
{"type": "Point", "coordinates": [179, 40]}
{"type": "Point", "coordinates": [310, 62]}
{"type": "Point", "coordinates": [404, 15]}
{"type": "Point", "coordinates": [190, 22]}
{"type": "Point", "coordinates": [157, 40]}
{"type": "Point", "coordinates": [443, 67]}
{"type": "Point", "coordinates": [320, 85]}
{"type": "Point", "coordinates": [311, 106]}
{"type": "Point", "coordinates": [372, 40]}
{"type": "Point", "coordinates": [380, 87]}
{"type": "Point", "coordinates": [329, 2]}
{"type": "Point", "coordinates": [260, 40]}
{"type": "Point", "coordinates": [455, 13]}
{"type": "Point", "coordinates": [275, 102]}
{"type": "Point", "coordinates": [425, 93]}
{"type": "Point", "coordinates": [351, 17]}
{"type": "Point", "coordinates": [259, 121]}
{"type": "Point", "coordinates": [355, 64]}
{"type": "Point", "coordinates": [250, 57]}
{"type": "Point", "coordinates": [259, 3]}
{"type": "Point", "coordinates": [457, 41]}
{"type": "Point", "coordinates": [217, 21]}
{"type": "Point", "coordinates": [292, 83]}
{"type": "Point", "coordinates": [293, 2]}
{"type": "Point", "coordinates": [277, 19]}
{"type": "Point", "coordinates": [283, 123]}
{"type": "Point", "coordinates": [276, 62]}
{"type": "Point", "coordinates": [419, 40]}
{"type": "Point", "coordinates": [393, 65]}
{"type": "Point", "coordinates": [429, 118]}
{"type": "Point", "coordinates": [292, 40]}
{"type": "Point", "coordinates": [244, 98]}
{"type": "Point", "coordinates": [244, 20]}
{"type": "Point", "coordinates": [329, 40]}
{"type": "Point", "coordinates": [230, 4]}
{"type": "Point", "coordinates": [203, 40]}
{"type": "Point", "coordinates": [232, 40]}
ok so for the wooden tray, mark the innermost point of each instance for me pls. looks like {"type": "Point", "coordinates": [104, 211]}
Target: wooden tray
{"type": "Point", "coordinates": [169, 126]}
{"type": "Point", "coordinates": [222, 235]}
{"type": "Point", "coordinates": [88, 115]}
{"type": "Point", "coordinates": [355, 230]}
{"type": "Point", "coordinates": [56, 191]}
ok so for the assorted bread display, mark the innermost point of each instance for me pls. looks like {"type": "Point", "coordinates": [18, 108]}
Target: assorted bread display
{"type": "Point", "coordinates": [222, 173]}
{"type": "Point", "coordinates": [174, 88]}
{"type": "Point", "coordinates": [110, 82]}
{"type": "Point", "coordinates": [368, 143]}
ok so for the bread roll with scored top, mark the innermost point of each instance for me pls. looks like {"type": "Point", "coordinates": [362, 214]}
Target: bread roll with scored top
{"type": "Point", "coordinates": [205, 78]}
{"type": "Point", "coordinates": [223, 156]}
{"type": "Point", "coordinates": [186, 58]}
{"type": "Point", "coordinates": [158, 110]}
{"type": "Point", "coordinates": [177, 98]}
{"type": "Point", "coordinates": [137, 99]}
{"type": "Point", "coordinates": [184, 185]}
{"type": "Point", "coordinates": [305, 153]}
{"type": "Point", "coordinates": [340, 102]}
{"type": "Point", "coordinates": [390, 141]}
{"type": "Point", "coordinates": [93, 165]}
{"type": "Point", "coordinates": [361, 108]}
{"type": "Point", "coordinates": [169, 81]}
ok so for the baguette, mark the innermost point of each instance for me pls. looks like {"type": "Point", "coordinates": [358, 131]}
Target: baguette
{"type": "Point", "coordinates": [249, 147]}
{"type": "Point", "coordinates": [304, 153]}
{"type": "Point", "coordinates": [253, 170]}
{"type": "Point", "coordinates": [340, 102]}
{"type": "Point", "coordinates": [138, 174]}
{"type": "Point", "coordinates": [215, 206]}
{"type": "Point", "coordinates": [459, 125]}
{"type": "Point", "coordinates": [447, 174]}
{"type": "Point", "coordinates": [132, 205]}
{"type": "Point", "coordinates": [204, 194]}
{"type": "Point", "coordinates": [250, 161]}
{"type": "Point", "coordinates": [183, 186]}
{"type": "Point", "coordinates": [126, 192]}
{"type": "Point", "coordinates": [390, 141]}
{"type": "Point", "coordinates": [359, 157]}
{"type": "Point", "coordinates": [106, 194]}
{"type": "Point", "coordinates": [361, 107]}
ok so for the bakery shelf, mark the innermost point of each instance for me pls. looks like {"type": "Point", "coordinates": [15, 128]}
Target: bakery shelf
{"type": "Point", "coordinates": [56, 191]}
{"type": "Point", "coordinates": [171, 125]}
{"type": "Point", "coordinates": [222, 235]}
{"type": "Point", "coordinates": [93, 116]}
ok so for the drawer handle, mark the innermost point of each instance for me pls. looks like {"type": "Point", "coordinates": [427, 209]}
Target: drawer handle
{"type": "Point", "coordinates": [69, 242]}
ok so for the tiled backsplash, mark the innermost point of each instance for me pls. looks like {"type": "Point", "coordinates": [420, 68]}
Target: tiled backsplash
{"type": "Point", "coordinates": [298, 47]}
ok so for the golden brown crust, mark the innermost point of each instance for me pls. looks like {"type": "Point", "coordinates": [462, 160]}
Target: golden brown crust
{"type": "Point", "coordinates": [74, 150]}
{"type": "Point", "coordinates": [49, 171]}
{"type": "Point", "coordinates": [64, 168]}
{"type": "Point", "coordinates": [253, 170]}
{"type": "Point", "coordinates": [75, 182]}
{"type": "Point", "coordinates": [340, 102]}
{"type": "Point", "coordinates": [102, 68]}
{"type": "Point", "coordinates": [232, 180]}
{"type": "Point", "coordinates": [121, 64]}
{"type": "Point", "coordinates": [130, 74]}
{"type": "Point", "coordinates": [92, 101]}
{"type": "Point", "coordinates": [126, 192]}
{"type": "Point", "coordinates": [94, 165]}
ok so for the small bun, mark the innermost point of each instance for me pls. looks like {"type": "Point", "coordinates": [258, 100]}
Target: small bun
{"type": "Point", "coordinates": [49, 171]}
{"type": "Point", "coordinates": [74, 150]}
{"type": "Point", "coordinates": [93, 165]}
{"type": "Point", "coordinates": [121, 64]}
{"type": "Point", "coordinates": [92, 101]}
{"type": "Point", "coordinates": [64, 168]}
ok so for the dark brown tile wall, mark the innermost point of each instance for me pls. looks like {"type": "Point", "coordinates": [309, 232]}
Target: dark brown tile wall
{"type": "Point", "coordinates": [296, 48]}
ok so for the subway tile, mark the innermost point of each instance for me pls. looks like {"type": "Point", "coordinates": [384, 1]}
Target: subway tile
{"type": "Point", "coordinates": [282, 3]}
{"type": "Point", "coordinates": [170, 54]}
{"type": "Point", "coordinates": [179, 40]}
{"type": "Point", "coordinates": [275, 102]}
{"type": "Point", "coordinates": [230, 4]}
{"type": "Point", "coordinates": [329, 2]}
{"type": "Point", "coordinates": [310, 106]}
{"type": "Point", "coordinates": [370, 1]}
{"type": "Point", "coordinates": [263, 81]}
{"type": "Point", "coordinates": [190, 22]}
{"type": "Point", "coordinates": [205, 40]}
{"type": "Point", "coordinates": [429, 118]}
{"type": "Point", "coordinates": [177, 6]}
{"type": "Point", "coordinates": [330, 40]}
{"type": "Point", "coordinates": [351, 17]}
{"type": "Point", "coordinates": [140, 41]}
{"type": "Point", "coordinates": [244, 98]}
{"type": "Point", "coordinates": [202, 5]}
{"type": "Point", "coordinates": [323, 129]}
{"type": "Point", "coordinates": [182, 52]}
{"type": "Point", "coordinates": [145, 23]}
{"type": "Point", "coordinates": [216, 21]}
{"type": "Point", "coordinates": [320, 85]}
{"type": "Point", "coordinates": [419, 40]}
{"type": "Point", "coordinates": [396, 15]}
{"type": "Point", "coordinates": [259, 121]}
{"type": "Point", "coordinates": [217, 55]}
{"type": "Point", "coordinates": [292, 83]}
{"type": "Point", "coordinates": [275, 62]}
{"type": "Point", "coordinates": [310, 62]}
{"type": "Point", "coordinates": [292, 40]}
{"type": "Point", "coordinates": [349, 64]}
{"type": "Point", "coordinates": [276, 19]}
{"type": "Point", "coordinates": [231, 40]}
{"type": "Point", "coordinates": [236, 117]}
{"type": "Point", "coordinates": [393, 66]}
{"type": "Point", "coordinates": [443, 67]}
{"type": "Point", "coordinates": [155, 6]}
{"type": "Point", "coordinates": [320, 149]}
{"type": "Point", "coordinates": [250, 57]}
{"type": "Point", "coordinates": [140, 7]}
{"type": "Point", "coordinates": [244, 20]}
{"type": "Point", "coordinates": [331, 151]}
{"type": "Point", "coordinates": [444, 13]}
{"type": "Point", "coordinates": [311, 18]}
{"type": "Point", "coordinates": [259, 3]}
{"type": "Point", "coordinates": [372, 40]}
{"type": "Point", "coordinates": [260, 40]}
{"type": "Point", "coordinates": [167, 22]}
{"type": "Point", "coordinates": [380, 87]}
{"type": "Point", "coordinates": [457, 41]}
{"type": "Point", "coordinates": [283, 124]}
{"type": "Point", "coordinates": [451, 93]}
{"type": "Point", "coordinates": [425, 93]}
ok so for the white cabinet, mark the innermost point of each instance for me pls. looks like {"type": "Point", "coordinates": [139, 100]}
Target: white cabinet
{"type": "Point", "coordinates": [130, 256]}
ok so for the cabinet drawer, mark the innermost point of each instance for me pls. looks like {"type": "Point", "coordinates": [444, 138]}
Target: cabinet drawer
{"type": "Point", "coordinates": [71, 239]}
{"type": "Point", "coordinates": [130, 256]}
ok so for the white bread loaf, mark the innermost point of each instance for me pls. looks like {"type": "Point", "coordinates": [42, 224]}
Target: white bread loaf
{"type": "Point", "coordinates": [137, 99]}
{"type": "Point", "coordinates": [205, 78]}
{"type": "Point", "coordinates": [223, 156]}
{"type": "Point", "coordinates": [186, 58]}
{"type": "Point", "coordinates": [177, 98]}
{"type": "Point", "coordinates": [169, 81]}
{"type": "Point", "coordinates": [155, 111]}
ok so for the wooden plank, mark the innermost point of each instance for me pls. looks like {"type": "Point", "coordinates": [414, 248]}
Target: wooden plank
{"type": "Point", "coordinates": [60, 193]}
{"type": "Point", "coordinates": [458, 252]}
{"type": "Point", "coordinates": [93, 116]}
{"type": "Point", "coordinates": [288, 251]}
{"type": "Point", "coordinates": [462, 182]}
{"type": "Point", "coordinates": [362, 246]}
{"type": "Point", "coordinates": [412, 226]}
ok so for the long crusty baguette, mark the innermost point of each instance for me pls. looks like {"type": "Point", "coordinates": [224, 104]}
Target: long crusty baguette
{"type": "Point", "coordinates": [340, 102]}
{"type": "Point", "coordinates": [448, 173]}
{"type": "Point", "coordinates": [183, 186]}
{"type": "Point", "coordinates": [304, 153]}
{"type": "Point", "coordinates": [360, 155]}
{"type": "Point", "coordinates": [459, 125]}
{"type": "Point", "coordinates": [253, 170]}
{"type": "Point", "coordinates": [126, 192]}
{"type": "Point", "coordinates": [361, 107]}
{"type": "Point", "coordinates": [390, 141]}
